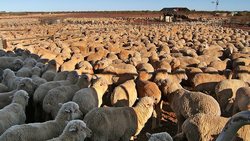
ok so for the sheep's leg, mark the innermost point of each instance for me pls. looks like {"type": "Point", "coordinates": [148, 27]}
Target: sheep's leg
{"type": "Point", "coordinates": [156, 120]}
{"type": "Point", "coordinates": [180, 121]}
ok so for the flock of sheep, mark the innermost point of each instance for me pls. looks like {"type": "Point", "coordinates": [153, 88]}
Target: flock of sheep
{"type": "Point", "coordinates": [109, 81]}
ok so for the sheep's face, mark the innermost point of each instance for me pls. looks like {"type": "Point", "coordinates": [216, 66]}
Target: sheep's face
{"type": "Point", "coordinates": [79, 127]}
{"type": "Point", "coordinates": [72, 110]}
{"type": "Point", "coordinates": [7, 73]}
{"type": "Point", "coordinates": [28, 85]}
{"type": "Point", "coordinates": [22, 96]}
{"type": "Point", "coordinates": [147, 101]}
{"type": "Point", "coordinates": [17, 64]}
{"type": "Point", "coordinates": [36, 71]}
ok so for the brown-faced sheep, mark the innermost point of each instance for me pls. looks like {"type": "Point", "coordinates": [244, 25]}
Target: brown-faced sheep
{"type": "Point", "coordinates": [103, 122]}
{"type": "Point", "coordinates": [14, 113]}
{"type": "Point", "coordinates": [46, 130]}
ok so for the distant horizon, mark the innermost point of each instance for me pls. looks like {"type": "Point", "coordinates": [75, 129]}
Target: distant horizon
{"type": "Point", "coordinates": [122, 5]}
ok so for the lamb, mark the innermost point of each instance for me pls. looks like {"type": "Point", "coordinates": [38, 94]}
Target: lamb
{"type": "Point", "coordinates": [46, 130]}
{"type": "Point", "coordinates": [124, 94]}
{"type": "Point", "coordinates": [242, 100]}
{"type": "Point", "coordinates": [90, 98]}
{"type": "Point", "coordinates": [187, 103]}
{"type": "Point", "coordinates": [63, 94]}
{"type": "Point", "coordinates": [50, 72]}
{"type": "Point", "coordinates": [25, 71]}
{"type": "Point", "coordinates": [206, 127]}
{"type": "Point", "coordinates": [226, 93]}
{"type": "Point", "coordinates": [43, 89]}
{"type": "Point", "coordinates": [14, 113]}
{"type": "Point", "coordinates": [163, 136]}
{"type": "Point", "coordinates": [25, 84]}
{"type": "Point", "coordinates": [36, 73]}
{"type": "Point", "coordinates": [76, 130]}
{"type": "Point", "coordinates": [103, 122]}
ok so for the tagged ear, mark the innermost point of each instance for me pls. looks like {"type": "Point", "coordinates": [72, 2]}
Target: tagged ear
{"type": "Point", "coordinates": [148, 135]}
{"type": "Point", "coordinates": [67, 110]}
{"type": "Point", "coordinates": [72, 129]}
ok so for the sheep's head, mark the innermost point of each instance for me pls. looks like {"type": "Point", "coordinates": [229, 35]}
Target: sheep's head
{"type": "Point", "coordinates": [163, 136]}
{"type": "Point", "coordinates": [100, 84]}
{"type": "Point", "coordinates": [30, 62]}
{"type": "Point", "coordinates": [21, 97]}
{"type": "Point", "coordinates": [72, 77]}
{"type": "Point", "coordinates": [147, 102]}
{"type": "Point", "coordinates": [17, 64]}
{"type": "Point", "coordinates": [36, 71]}
{"type": "Point", "coordinates": [69, 111]}
{"type": "Point", "coordinates": [28, 85]}
{"type": "Point", "coordinates": [79, 128]}
{"type": "Point", "coordinates": [7, 73]}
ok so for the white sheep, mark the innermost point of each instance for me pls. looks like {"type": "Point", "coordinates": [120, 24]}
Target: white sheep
{"type": "Point", "coordinates": [62, 75]}
{"type": "Point", "coordinates": [46, 130]}
{"type": "Point", "coordinates": [50, 70]}
{"type": "Point", "coordinates": [12, 63]}
{"type": "Point", "coordinates": [36, 76]}
{"type": "Point", "coordinates": [43, 89]}
{"type": "Point", "coordinates": [90, 98]}
{"type": "Point", "coordinates": [187, 103]}
{"type": "Point", "coordinates": [14, 113]}
{"type": "Point", "coordinates": [76, 130]}
{"type": "Point", "coordinates": [163, 136]}
{"type": "Point", "coordinates": [25, 71]}
{"type": "Point", "coordinates": [25, 84]}
{"type": "Point", "coordinates": [124, 94]}
{"type": "Point", "coordinates": [242, 100]}
{"type": "Point", "coordinates": [63, 94]}
{"type": "Point", "coordinates": [10, 79]}
{"type": "Point", "coordinates": [119, 123]}
{"type": "Point", "coordinates": [226, 93]}
{"type": "Point", "coordinates": [206, 127]}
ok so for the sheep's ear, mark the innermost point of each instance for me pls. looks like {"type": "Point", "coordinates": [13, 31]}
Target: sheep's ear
{"type": "Point", "coordinates": [72, 129]}
{"type": "Point", "coordinates": [148, 135]}
{"type": "Point", "coordinates": [67, 110]}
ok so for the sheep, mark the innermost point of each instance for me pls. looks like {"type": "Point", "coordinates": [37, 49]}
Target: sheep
{"type": "Point", "coordinates": [14, 113]}
{"type": "Point", "coordinates": [119, 123]}
{"type": "Point", "coordinates": [90, 98]}
{"type": "Point", "coordinates": [43, 89]}
{"type": "Point", "coordinates": [46, 130]}
{"type": "Point", "coordinates": [84, 67]}
{"type": "Point", "coordinates": [36, 73]}
{"type": "Point", "coordinates": [226, 93]}
{"type": "Point", "coordinates": [12, 63]}
{"type": "Point", "coordinates": [50, 72]}
{"type": "Point", "coordinates": [187, 103]}
{"type": "Point", "coordinates": [242, 100]}
{"type": "Point", "coordinates": [25, 71]}
{"type": "Point", "coordinates": [24, 84]}
{"type": "Point", "coordinates": [124, 94]}
{"type": "Point", "coordinates": [163, 136]}
{"type": "Point", "coordinates": [206, 127]}
{"type": "Point", "coordinates": [10, 79]}
{"type": "Point", "coordinates": [76, 130]}
{"type": "Point", "coordinates": [63, 94]}
{"type": "Point", "coordinates": [148, 88]}
{"type": "Point", "coordinates": [62, 75]}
